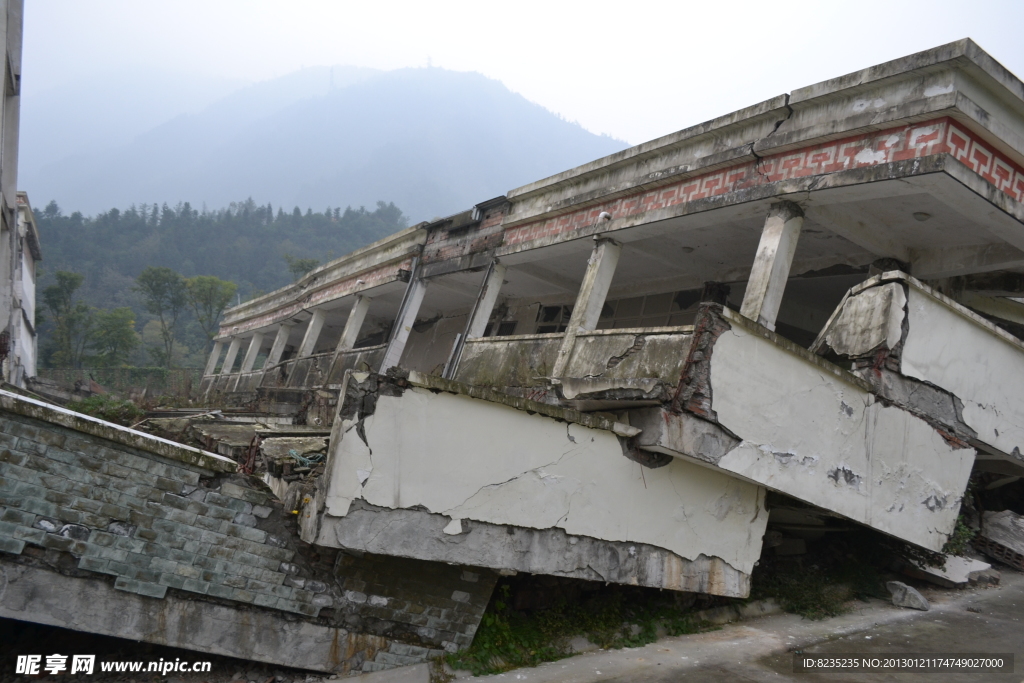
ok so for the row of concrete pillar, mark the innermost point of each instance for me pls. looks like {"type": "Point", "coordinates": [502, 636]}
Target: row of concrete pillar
{"type": "Point", "coordinates": [309, 339]}
{"type": "Point", "coordinates": [761, 302]}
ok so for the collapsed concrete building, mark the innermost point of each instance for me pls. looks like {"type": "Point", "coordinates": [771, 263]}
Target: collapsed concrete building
{"type": "Point", "coordinates": [601, 375]}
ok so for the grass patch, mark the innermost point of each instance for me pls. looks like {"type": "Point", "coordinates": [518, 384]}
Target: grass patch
{"type": "Point", "coordinates": [105, 407]}
{"type": "Point", "coordinates": [960, 540]}
{"type": "Point", "coordinates": [509, 639]}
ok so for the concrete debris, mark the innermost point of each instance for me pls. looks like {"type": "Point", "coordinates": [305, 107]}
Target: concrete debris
{"type": "Point", "coordinates": [1002, 537]}
{"type": "Point", "coordinates": [906, 596]}
{"type": "Point", "coordinates": [958, 572]}
{"type": "Point", "coordinates": [1005, 528]}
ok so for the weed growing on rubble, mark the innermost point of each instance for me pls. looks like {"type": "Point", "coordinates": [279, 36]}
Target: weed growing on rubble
{"type": "Point", "coordinates": [823, 584]}
{"type": "Point", "coordinates": [960, 540]}
{"type": "Point", "coordinates": [509, 639]}
{"type": "Point", "coordinates": [811, 594]}
{"type": "Point", "coordinates": [105, 407]}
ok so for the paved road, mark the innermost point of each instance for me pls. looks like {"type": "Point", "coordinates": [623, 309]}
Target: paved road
{"type": "Point", "coordinates": [981, 620]}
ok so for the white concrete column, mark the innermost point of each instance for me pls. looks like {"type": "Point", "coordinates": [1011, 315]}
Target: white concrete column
{"type": "Point", "coordinates": [211, 364]}
{"type": "Point", "coordinates": [254, 350]}
{"type": "Point", "coordinates": [485, 302]}
{"type": "Point", "coordinates": [403, 325]}
{"type": "Point", "coordinates": [280, 341]}
{"type": "Point", "coordinates": [229, 360]}
{"type": "Point", "coordinates": [316, 323]}
{"type": "Point", "coordinates": [590, 300]}
{"type": "Point", "coordinates": [772, 263]}
{"type": "Point", "coordinates": [354, 323]}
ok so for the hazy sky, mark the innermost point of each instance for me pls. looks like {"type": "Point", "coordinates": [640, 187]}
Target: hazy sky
{"type": "Point", "coordinates": [634, 69]}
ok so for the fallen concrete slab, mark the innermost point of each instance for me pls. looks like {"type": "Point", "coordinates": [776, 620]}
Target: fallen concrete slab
{"type": "Point", "coordinates": [444, 476]}
{"type": "Point", "coordinates": [1002, 537]}
{"type": "Point", "coordinates": [958, 572]}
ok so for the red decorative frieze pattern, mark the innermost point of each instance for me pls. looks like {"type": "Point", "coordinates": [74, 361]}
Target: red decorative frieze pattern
{"type": "Point", "coordinates": [442, 245]}
{"type": "Point", "coordinates": [895, 144]}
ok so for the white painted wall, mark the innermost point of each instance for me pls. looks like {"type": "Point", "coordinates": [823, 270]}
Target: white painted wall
{"type": "Point", "coordinates": [471, 459]}
{"type": "Point", "coordinates": [981, 368]}
{"type": "Point", "coordinates": [799, 423]}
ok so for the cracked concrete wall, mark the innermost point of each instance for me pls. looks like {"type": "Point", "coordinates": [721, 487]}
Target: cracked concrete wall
{"type": "Point", "coordinates": [969, 358]}
{"type": "Point", "coordinates": [474, 460]}
{"type": "Point", "coordinates": [819, 438]}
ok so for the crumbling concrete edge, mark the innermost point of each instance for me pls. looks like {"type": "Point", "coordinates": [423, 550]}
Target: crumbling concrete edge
{"type": "Point", "coordinates": [911, 281]}
{"type": "Point", "coordinates": [419, 534]}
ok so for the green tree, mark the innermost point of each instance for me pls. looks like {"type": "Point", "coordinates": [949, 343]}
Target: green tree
{"type": "Point", "coordinates": [300, 266]}
{"type": "Point", "coordinates": [209, 296]}
{"type": "Point", "coordinates": [73, 320]}
{"type": "Point", "coordinates": [114, 336]}
{"type": "Point", "coordinates": [165, 296]}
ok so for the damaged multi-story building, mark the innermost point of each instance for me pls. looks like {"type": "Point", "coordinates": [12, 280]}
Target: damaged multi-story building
{"type": "Point", "coordinates": [19, 239]}
{"type": "Point", "coordinates": [601, 375]}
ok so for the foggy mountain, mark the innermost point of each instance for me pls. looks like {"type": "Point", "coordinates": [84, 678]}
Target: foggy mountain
{"type": "Point", "coordinates": [430, 140]}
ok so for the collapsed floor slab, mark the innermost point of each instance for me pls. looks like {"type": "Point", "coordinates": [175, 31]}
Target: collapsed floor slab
{"type": "Point", "coordinates": [768, 411]}
{"type": "Point", "coordinates": [921, 348]}
{"type": "Point", "coordinates": [444, 476]}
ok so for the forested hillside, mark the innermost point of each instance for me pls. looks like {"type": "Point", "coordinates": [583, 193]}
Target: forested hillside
{"type": "Point", "coordinates": [120, 286]}
{"type": "Point", "coordinates": [259, 248]}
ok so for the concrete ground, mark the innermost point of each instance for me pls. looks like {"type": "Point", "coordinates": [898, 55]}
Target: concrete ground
{"type": "Point", "coordinates": [974, 620]}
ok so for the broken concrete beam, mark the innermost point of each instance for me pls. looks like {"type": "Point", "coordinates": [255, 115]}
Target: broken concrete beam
{"type": "Point", "coordinates": [681, 435]}
{"type": "Point", "coordinates": [906, 596]}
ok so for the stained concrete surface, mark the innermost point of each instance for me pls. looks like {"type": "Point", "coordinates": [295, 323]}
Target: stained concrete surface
{"type": "Point", "coordinates": [761, 649]}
